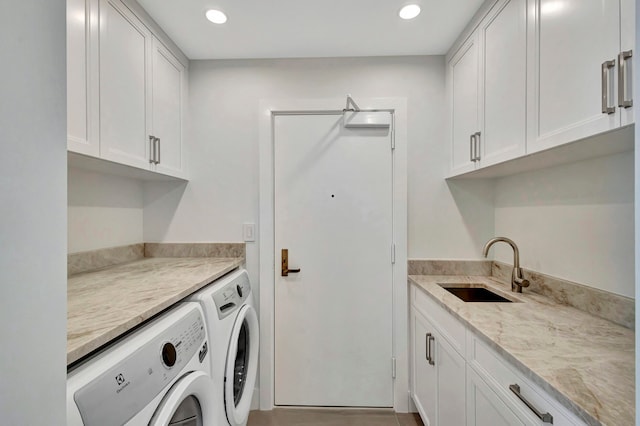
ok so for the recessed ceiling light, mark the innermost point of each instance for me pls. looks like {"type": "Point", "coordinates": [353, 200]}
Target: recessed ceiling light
{"type": "Point", "coordinates": [410, 11]}
{"type": "Point", "coordinates": [216, 16]}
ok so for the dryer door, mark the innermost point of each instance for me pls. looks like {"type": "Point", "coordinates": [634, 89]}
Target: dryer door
{"type": "Point", "coordinates": [241, 366]}
{"type": "Point", "coordinates": [189, 402]}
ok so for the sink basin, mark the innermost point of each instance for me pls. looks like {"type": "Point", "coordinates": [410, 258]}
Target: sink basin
{"type": "Point", "coordinates": [474, 293]}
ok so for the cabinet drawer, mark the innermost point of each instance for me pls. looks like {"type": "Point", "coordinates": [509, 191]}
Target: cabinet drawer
{"type": "Point", "coordinates": [500, 375]}
{"type": "Point", "coordinates": [450, 328]}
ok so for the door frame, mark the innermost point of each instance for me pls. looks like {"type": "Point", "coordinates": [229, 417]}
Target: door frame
{"type": "Point", "coordinates": [268, 109]}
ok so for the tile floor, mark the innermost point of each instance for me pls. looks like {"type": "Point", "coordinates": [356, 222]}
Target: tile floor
{"type": "Point", "coordinates": [331, 417]}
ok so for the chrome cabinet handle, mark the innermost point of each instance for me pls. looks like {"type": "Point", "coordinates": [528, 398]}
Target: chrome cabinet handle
{"type": "Point", "coordinates": [472, 145]}
{"type": "Point", "coordinates": [477, 138]}
{"type": "Point", "coordinates": [606, 66]}
{"type": "Point", "coordinates": [158, 151]}
{"type": "Point", "coordinates": [545, 417]}
{"type": "Point", "coordinates": [152, 149]}
{"type": "Point", "coordinates": [430, 339]}
{"type": "Point", "coordinates": [623, 79]}
{"type": "Point", "coordinates": [426, 346]}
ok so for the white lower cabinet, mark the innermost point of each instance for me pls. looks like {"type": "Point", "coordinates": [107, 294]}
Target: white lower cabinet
{"type": "Point", "coordinates": [484, 406]}
{"type": "Point", "coordinates": [458, 381]}
{"type": "Point", "coordinates": [438, 375]}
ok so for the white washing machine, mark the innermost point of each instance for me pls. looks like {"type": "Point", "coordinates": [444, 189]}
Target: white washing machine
{"type": "Point", "coordinates": [234, 334]}
{"type": "Point", "coordinates": [159, 375]}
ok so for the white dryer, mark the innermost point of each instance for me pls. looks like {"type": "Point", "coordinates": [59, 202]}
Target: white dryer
{"type": "Point", "coordinates": [234, 334]}
{"type": "Point", "coordinates": [159, 375]}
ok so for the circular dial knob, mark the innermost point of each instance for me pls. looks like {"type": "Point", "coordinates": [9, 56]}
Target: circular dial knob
{"type": "Point", "coordinates": [169, 354]}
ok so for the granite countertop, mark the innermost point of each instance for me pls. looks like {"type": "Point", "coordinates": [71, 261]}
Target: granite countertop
{"type": "Point", "coordinates": [104, 304]}
{"type": "Point", "coordinates": [585, 362]}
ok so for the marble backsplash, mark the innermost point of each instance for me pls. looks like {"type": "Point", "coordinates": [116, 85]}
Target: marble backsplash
{"type": "Point", "coordinates": [97, 259]}
{"type": "Point", "coordinates": [194, 250]}
{"type": "Point", "coordinates": [603, 304]}
{"type": "Point", "coordinates": [449, 267]}
{"type": "Point", "coordinates": [610, 306]}
{"type": "Point", "coordinates": [102, 258]}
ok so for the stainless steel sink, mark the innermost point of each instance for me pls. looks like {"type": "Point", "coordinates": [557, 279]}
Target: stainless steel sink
{"type": "Point", "coordinates": [474, 293]}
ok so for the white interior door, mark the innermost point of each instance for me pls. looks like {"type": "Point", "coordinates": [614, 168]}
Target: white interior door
{"type": "Point", "coordinates": [333, 212]}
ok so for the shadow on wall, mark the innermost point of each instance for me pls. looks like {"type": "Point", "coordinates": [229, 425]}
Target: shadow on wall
{"type": "Point", "coordinates": [474, 200]}
{"type": "Point", "coordinates": [161, 200]}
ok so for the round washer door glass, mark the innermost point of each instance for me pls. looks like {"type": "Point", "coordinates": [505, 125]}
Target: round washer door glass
{"type": "Point", "coordinates": [241, 366]}
{"type": "Point", "coordinates": [189, 402]}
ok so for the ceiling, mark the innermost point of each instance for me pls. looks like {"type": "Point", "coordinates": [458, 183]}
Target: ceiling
{"type": "Point", "coordinates": [310, 28]}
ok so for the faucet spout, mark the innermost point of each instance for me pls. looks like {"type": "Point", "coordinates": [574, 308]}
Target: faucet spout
{"type": "Point", "coordinates": [517, 281]}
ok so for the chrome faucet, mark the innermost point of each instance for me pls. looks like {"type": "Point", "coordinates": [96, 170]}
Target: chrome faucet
{"type": "Point", "coordinates": [517, 282]}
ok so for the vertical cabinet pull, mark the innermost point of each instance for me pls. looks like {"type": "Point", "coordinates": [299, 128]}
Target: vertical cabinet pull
{"type": "Point", "coordinates": [623, 79]}
{"type": "Point", "coordinates": [472, 145]}
{"type": "Point", "coordinates": [152, 149]}
{"type": "Point", "coordinates": [606, 85]}
{"type": "Point", "coordinates": [545, 417]}
{"type": "Point", "coordinates": [476, 138]}
{"type": "Point", "coordinates": [428, 339]}
{"type": "Point", "coordinates": [158, 151]}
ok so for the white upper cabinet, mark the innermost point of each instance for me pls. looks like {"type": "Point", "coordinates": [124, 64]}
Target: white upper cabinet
{"type": "Point", "coordinates": [463, 95]}
{"type": "Point", "coordinates": [125, 67]}
{"type": "Point", "coordinates": [168, 91]}
{"type": "Point", "coordinates": [503, 41]}
{"type": "Point", "coordinates": [574, 48]}
{"type": "Point", "coordinates": [82, 91]}
{"type": "Point", "coordinates": [549, 72]}
{"type": "Point", "coordinates": [126, 89]}
{"type": "Point", "coordinates": [487, 89]}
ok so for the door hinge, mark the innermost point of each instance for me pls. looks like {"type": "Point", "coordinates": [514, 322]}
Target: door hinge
{"type": "Point", "coordinates": [393, 253]}
{"type": "Point", "coordinates": [393, 368]}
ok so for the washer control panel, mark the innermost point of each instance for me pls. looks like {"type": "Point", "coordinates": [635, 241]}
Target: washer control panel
{"type": "Point", "coordinates": [126, 387]}
{"type": "Point", "coordinates": [231, 296]}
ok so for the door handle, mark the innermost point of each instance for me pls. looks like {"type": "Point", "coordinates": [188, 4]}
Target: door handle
{"type": "Point", "coordinates": [285, 271]}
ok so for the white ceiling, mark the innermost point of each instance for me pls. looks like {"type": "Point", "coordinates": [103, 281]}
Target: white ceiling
{"type": "Point", "coordinates": [310, 28]}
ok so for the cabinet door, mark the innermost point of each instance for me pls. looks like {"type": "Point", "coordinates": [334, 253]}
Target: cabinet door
{"type": "Point", "coordinates": [168, 97]}
{"type": "Point", "coordinates": [628, 42]}
{"type": "Point", "coordinates": [125, 67]}
{"type": "Point", "coordinates": [82, 125]}
{"type": "Point", "coordinates": [450, 367]}
{"type": "Point", "coordinates": [484, 407]}
{"type": "Point", "coordinates": [423, 373]}
{"type": "Point", "coordinates": [569, 42]}
{"type": "Point", "coordinates": [503, 84]}
{"type": "Point", "coordinates": [463, 93]}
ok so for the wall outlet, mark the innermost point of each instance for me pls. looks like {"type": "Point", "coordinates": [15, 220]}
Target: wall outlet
{"type": "Point", "coordinates": [249, 231]}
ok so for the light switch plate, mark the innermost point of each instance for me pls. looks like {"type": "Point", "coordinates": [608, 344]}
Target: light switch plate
{"type": "Point", "coordinates": [249, 231]}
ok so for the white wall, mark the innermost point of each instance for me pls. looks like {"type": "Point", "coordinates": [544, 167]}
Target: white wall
{"type": "Point", "coordinates": [103, 211]}
{"type": "Point", "coordinates": [33, 273]}
{"type": "Point", "coordinates": [223, 151]}
{"type": "Point", "coordinates": [574, 221]}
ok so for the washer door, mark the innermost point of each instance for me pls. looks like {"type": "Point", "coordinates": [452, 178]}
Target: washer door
{"type": "Point", "coordinates": [189, 402]}
{"type": "Point", "coordinates": [241, 366]}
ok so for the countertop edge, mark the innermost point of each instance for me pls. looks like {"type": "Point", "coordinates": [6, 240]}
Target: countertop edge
{"type": "Point", "coordinates": [99, 341]}
{"type": "Point", "coordinates": [528, 372]}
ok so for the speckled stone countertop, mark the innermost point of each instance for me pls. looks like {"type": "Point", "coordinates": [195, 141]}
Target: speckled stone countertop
{"type": "Point", "coordinates": [104, 304]}
{"type": "Point", "coordinates": [585, 362]}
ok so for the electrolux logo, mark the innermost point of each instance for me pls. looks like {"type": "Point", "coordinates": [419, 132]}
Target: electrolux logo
{"type": "Point", "coordinates": [120, 379]}
{"type": "Point", "coordinates": [122, 382]}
